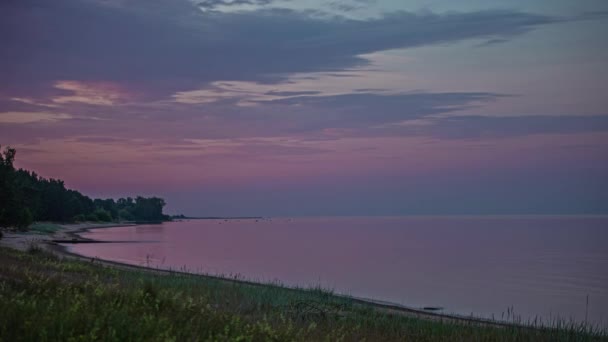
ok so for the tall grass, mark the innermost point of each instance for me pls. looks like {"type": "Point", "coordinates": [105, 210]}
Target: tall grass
{"type": "Point", "coordinates": [44, 298]}
{"type": "Point", "coordinates": [44, 228]}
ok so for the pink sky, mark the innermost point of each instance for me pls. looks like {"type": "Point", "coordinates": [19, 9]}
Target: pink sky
{"type": "Point", "coordinates": [223, 113]}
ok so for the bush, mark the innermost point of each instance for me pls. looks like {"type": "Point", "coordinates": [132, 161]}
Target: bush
{"type": "Point", "coordinates": [24, 219]}
{"type": "Point", "coordinates": [80, 218]}
{"type": "Point", "coordinates": [125, 215]}
{"type": "Point", "coordinates": [103, 215]}
{"type": "Point", "coordinates": [44, 228]}
{"type": "Point", "coordinates": [91, 217]}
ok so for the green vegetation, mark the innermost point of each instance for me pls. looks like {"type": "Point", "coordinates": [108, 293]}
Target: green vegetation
{"type": "Point", "coordinates": [26, 197]}
{"type": "Point", "coordinates": [46, 298]}
{"type": "Point", "coordinates": [44, 228]}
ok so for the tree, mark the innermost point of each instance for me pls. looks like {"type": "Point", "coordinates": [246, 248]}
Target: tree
{"type": "Point", "coordinates": [149, 209]}
{"type": "Point", "coordinates": [108, 205]}
{"type": "Point", "coordinates": [24, 219]}
{"type": "Point", "coordinates": [126, 215]}
{"type": "Point", "coordinates": [7, 157]}
{"type": "Point", "coordinates": [26, 197]}
{"type": "Point", "coordinates": [10, 206]}
{"type": "Point", "coordinates": [103, 215]}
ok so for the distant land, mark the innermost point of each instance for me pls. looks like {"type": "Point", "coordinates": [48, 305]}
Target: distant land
{"type": "Point", "coordinates": [183, 217]}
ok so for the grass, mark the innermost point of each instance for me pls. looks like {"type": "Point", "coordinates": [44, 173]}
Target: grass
{"type": "Point", "coordinates": [44, 228]}
{"type": "Point", "coordinates": [44, 298]}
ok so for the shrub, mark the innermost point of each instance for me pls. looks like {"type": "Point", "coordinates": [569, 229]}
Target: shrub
{"type": "Point", "coordinates": [80, 218]}
{"type": "Point", "coordinates": [103, 215]}
{"type": "Point", "coordinates": [24, 219]}
{"type": "Point", "coordinates": [44, 228]}
{"type": "Point", "coordinates": [33, 247]}
{"type": "Point", "coordinates": [126, 215]}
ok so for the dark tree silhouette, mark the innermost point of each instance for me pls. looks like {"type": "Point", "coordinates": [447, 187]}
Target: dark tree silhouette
{"type": "Point", "coordinates": [26, 197]}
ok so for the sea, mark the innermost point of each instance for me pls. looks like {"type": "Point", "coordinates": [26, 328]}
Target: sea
{"type": "Point", "coordinates": [509, 268]}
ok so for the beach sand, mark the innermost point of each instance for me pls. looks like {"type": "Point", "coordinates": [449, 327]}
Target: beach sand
{"type": "Point", "coordinates": [24, 240]}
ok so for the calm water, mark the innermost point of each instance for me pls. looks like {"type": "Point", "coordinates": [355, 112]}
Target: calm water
{"type": "Point", "coordinates": [543, 266]}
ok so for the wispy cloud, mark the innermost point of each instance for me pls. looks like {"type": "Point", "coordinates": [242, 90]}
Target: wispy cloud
{"type": "Point", "coordinates": [29, 117]}
{"type": "Point", "coordinates": [93, 93]}
{"type": "Point", "coordinates": [212, 4]}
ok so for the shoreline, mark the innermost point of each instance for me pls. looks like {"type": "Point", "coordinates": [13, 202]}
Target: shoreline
{"type": "Point", "coordinates": [24, 240]}
{"type": "Point", "coordinates": [71, 233]}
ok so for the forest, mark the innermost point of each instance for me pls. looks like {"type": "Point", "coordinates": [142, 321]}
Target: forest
{"type": "Point", "coordinates": [26, 197]}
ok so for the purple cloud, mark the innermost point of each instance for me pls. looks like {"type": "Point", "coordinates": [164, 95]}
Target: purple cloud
{"type": "Point", "coordinates": [164, 46]}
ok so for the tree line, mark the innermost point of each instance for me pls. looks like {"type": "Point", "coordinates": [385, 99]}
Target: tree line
{"type": "Point", "coordinates": [26, 197]}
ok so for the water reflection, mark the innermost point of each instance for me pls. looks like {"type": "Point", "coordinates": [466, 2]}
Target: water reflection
{"type": "Point", "coordinates": [483, 265]}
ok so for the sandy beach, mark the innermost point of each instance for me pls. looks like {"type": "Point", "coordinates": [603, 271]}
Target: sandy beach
{"type": "Point", "coordinates": [24, 240]}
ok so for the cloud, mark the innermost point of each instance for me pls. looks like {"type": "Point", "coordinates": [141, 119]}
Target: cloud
{"type": "Point", "coordinates": [93, 93]}
{"type": "Point", "coordinates": [349, 5]}
{"type": "Point", "coordinates": [29, 117]}
{"type": "Point", "coordinates": [476, 127]}
{"type": "Point", "coordinates": [18, 104]}
{"type": "Point", "coordinates": [172, 70]}
{"type": "Point", "coordinates": [319, 117]}
{"type": "Point", "coordinates": [212, 4]}
{"type": "Point", "coordinates": [343, 6]}
{"type": "Point", "coordinates": [492, 42]}
{"type": "Point", "coordinates": [369, 109]}
{"type": "Point", "coordinates": [164, 46]}
{"type": "Point", "coordinates": [292, 93]}
{"type": "Point", "coordinates": [308, 117]}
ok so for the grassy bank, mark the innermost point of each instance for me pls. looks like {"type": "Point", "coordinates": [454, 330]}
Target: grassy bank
{"type": "Point", "coordinates": [44, 228]}
{"type": "Point", "coordinates": [46, 298]}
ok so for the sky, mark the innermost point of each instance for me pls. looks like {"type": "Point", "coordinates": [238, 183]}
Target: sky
{"type": "Point", "coordinates": [296, 107]}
